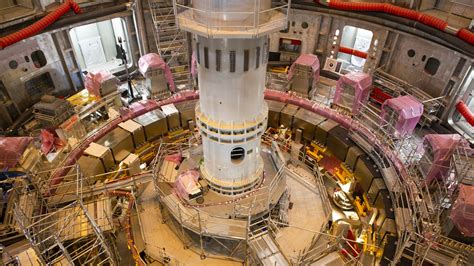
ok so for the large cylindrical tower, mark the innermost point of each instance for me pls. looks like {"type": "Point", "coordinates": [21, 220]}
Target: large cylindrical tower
{"type": "Point", "coordinates": [231, 48]}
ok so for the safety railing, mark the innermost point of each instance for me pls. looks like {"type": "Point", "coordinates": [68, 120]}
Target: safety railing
{"type": "Point", "coordinates": [205, 19]}
{"type": "Point", "coordinates": [66, 232]}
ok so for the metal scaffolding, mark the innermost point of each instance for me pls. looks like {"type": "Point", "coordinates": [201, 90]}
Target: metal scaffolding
{"type": "Point", "coordinates": [171, 42]}
{"type": "Point", "coordinates": [418, 207]}
{"type": "Point", "coordinates": [245, 234]}
{"type": "Point", "coordinates": [72, 232]}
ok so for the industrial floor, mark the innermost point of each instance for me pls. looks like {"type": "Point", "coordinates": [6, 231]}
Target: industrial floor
{"type": "Point", "coordinates": [160, 235]}
{"type": "Point", "coordinates": [305, 218]}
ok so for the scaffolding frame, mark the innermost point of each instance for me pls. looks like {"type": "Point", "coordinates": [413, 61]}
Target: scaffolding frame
{"type": "Point", "coordinates": [64, 234]}
{"type": "Point", "coordinates": [418, 208]}
{"type": "Point", "coordinates": [207, 226]}
{"type": "Point", "coordinates": [171, 42]}
{"type": "Point", "coordinates": [397, 87]}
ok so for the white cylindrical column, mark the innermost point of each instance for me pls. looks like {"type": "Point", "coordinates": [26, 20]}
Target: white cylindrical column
{"type": "Point", "coordinates": [232, 114]}
{"type": "Point", "coordinates": [232, 52]}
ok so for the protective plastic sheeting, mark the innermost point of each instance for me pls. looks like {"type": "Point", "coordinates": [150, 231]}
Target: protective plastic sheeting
{"type": "Point", "coordinates": [352, 90]}
{"type": "Point", "coordinates": [309, 60]}
{"type": "Point", "coordinates": [409, 111]}
{"type": "Point", "coordinates": [187, 184]}
{"type": "Point", "coordinates": [462, 213]}
{"type": "Point", "coordinates": [11, 150]}
{"type": "Point", "coordinates": [152, 61]}
{"type": "Point", "coordinates": [442, 147]}
{"type": "Point", "coordinates": [95, 80]}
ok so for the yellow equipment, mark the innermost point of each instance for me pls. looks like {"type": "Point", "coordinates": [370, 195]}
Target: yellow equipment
{"type": "Point", "coordinates": [82, 98]}
{"type": "Point", "coordinates": [362, 206]}
{"type": "Point", "coordinates": [314, 151]}
{"type": "Point", "coordinates": [179, 136]}
{"type": "Point", "coordinates": [369, 241]}
{"type": "Point", "coordinates": [343, 174]}
{"type": "Point", "coordinates": [282, 70]}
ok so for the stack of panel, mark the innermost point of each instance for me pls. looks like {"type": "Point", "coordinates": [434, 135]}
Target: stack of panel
{"type": "Point", "coordinates": [136, 130]}
{"type": "Point", "coordinates": [120, 142]}
{"type": "Point", "coordinates": [307, 121]}
{"type": "Point", "coordinates": [274, 112]}
{"type": "Point", "coordinates": [154, 123]}
{"type": "Point", "coordinates": [287, 115]}
{"type": "Point", "coordinates": [96, 159]}
{"type": "Point", "coordinates": [51, 111]}
{"type": "Point", "coordinates": [187, 112]}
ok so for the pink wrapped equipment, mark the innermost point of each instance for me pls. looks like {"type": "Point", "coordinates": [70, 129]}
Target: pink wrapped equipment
{"type": "Point", "coordinates": [442, 149]}
{"type": "Point", "coordinates": [462, 213]}
{"type": "Point", "coordinates": [49, 140]}
{"type": "Point", "coordinates": [309, 60]}
{"type": "Point", "coordinates": [194, 65]}
{"type": "Point", "coordinates": [187, 184]}
{"type": "Point", "coordinates": [11, 150]}
{"type": "Point", "coordinates": [94, 81]}
{"type": "Point", "coordinates": [175, 158]}
{"type": "Point", "coordinates": [359, 83]}
{"type": "Point", "coordinates": [409, 111]}
{"type": "Point", "coordinates": [152, 61]}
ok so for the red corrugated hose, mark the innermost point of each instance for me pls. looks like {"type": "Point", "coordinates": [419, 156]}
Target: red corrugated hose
{"type": "Point", "coordinates": [465, 112]}
{"type": "Point", "coordinates": [431, 21]}
{"type": "Point", "coordinates": [351, 51]}
{"type": "Point", "coordinates": [40, 24]}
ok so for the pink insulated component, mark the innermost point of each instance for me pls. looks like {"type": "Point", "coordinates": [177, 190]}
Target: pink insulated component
{"type": "Point", "coordinates": [352, 90]}
{"type": "Point", "coordinates": [406, 110]}
{"type": "Point", "coordinates": [152, 61]}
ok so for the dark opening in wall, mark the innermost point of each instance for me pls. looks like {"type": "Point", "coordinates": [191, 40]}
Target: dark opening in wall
{"type": "Point", "coordinates": [218, 60]}
{"type": "Point", "coordinates": [432, 66]}
{"type": "Point", "coordinates": [257, 57]}
{"type": "Point", "coordinates": [206, 57]}
{"type": "Point", "coordinates": [198, 54]}
{"type": "Point", "coordinates": [237, 155]}
{"type": "Point", "coordinates": [246, 60]}
{"type": "Point", "coordinates": [411, 53]}
{"type": "Point", "coordinates": [304, 25]}
{"type": "Point", "coordinates": [39, 60]}
{"type": "Point", "coordinates": [232, 61]}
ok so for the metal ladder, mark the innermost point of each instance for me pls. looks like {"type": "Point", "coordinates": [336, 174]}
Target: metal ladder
{"type": "Point", "coordinates": [171, 42]}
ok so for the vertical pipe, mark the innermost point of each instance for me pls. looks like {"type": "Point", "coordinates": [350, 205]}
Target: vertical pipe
{"type": "Point", "coordinates": [140, 27]}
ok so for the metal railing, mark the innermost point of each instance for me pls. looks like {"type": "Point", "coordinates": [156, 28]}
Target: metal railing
{"type": "Point", "coordinates": [63, 233]}
{"type": "Point", "coordinates": [254, 21]}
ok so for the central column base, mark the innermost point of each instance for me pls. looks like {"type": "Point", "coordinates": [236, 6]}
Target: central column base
{"type": "Point", "coordinates": [234, 186]}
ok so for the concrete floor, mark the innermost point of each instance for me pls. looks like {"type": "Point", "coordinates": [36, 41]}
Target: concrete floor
{"type": "Point", "coordinates": [158, 235]}
{"type": "Point", "coordinates": [305, 216]}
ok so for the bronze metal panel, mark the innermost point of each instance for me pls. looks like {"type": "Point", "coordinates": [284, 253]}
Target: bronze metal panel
{"type": "Point", "coordinates": [154, 123]}
{"type": "Point", "coordinates": [287, 114]}
{"type": "Point", "coordinates": [323, 129]}
{"type": "Point", "coordinates": [307, 121]}
{"type": "Point", "coordinates": [120, 142]}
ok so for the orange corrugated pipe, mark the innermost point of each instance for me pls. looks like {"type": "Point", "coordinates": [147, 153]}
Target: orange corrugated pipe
{"type": "Point", "coordinates": [431, 21]}
{"type": "Point", "coordinates": [351, 51]}
{"type": "Point", "coordinates": [40, 24]}
{"type": "Point", "coordinates": [465, 112]}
